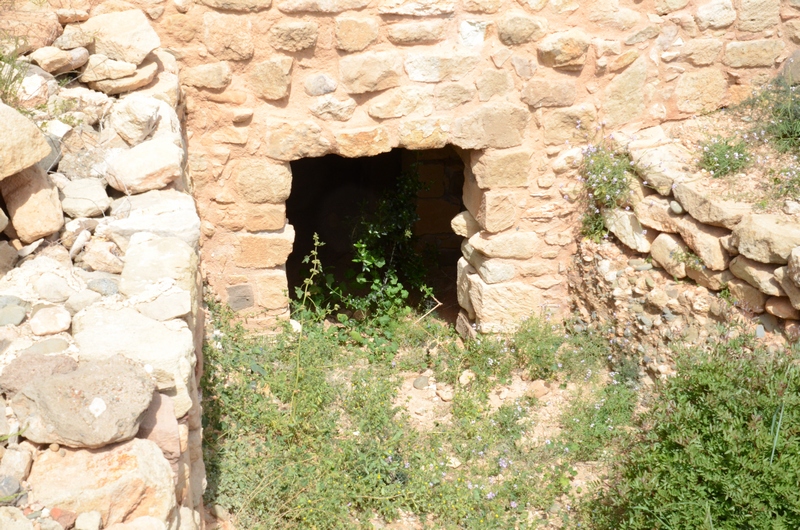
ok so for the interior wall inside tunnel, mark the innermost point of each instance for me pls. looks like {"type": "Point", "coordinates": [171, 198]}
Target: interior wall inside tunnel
{"type": "Point", "coordinates": [332, 196]}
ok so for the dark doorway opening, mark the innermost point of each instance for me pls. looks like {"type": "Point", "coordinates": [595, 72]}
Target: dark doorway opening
{"type": "Point", "coordinates": [331, 196]}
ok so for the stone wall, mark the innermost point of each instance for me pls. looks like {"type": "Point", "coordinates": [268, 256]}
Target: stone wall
{"type": "Point", "coordinates": [101, 319]}
{"type": "Point", "coordinates": [516, 86]}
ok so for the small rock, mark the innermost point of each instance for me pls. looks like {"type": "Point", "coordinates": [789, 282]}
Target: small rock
{"type": "Point", "coordinates": [445, 393]}
{"type": "Point", "coordinates": [17, 461]}
{"type": "Point", "coordinates": [760, 332]}
{"type": "Point", "coordinates": [9, 487]}
{"type": "Point", "coordinates": [53, 288]}
{"type": "Point", "coordinates": [103, 286]}
{"type": "Point", "coordinates": [14, 519]}
{"type": "Point", "coordinates": [539, 389]}
{"type": "Point", "coordinates": [421, 382]}
{"type": "Point", "coordinates": [12, 315]}
{"type": "Point", "coordinates": [47, 346]}
{"type": "Point", "coordinates": [82, 300]}
{"type": "Point", "coordinates": [466, 377]}
{"type": "Point", "coordinates": [675, 207]}
{"type": "Point", "coordinates": [88, 521]}
{"type": "Point", "coordinates": [50, 320]}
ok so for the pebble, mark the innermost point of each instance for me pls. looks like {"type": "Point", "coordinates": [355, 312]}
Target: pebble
{"type": "Point", "coordinates": [104, 286]}
{"type": "Point", "coordinates": [675, 207]}
{"type": "Point", "coordinates": [760, 332]}
{"type": "Point", "coordinates": [9, 486]}
{"type": "Point", "coordinates": [53, 288]}
{"type": "Point", "coordinates": [50, 320]}
{"type": "Point", "coordinates": [421, 382]}
{"type": "Point", "coordinates": [47, 346]}
{"type": "Point", "coordinates": [55, 447]}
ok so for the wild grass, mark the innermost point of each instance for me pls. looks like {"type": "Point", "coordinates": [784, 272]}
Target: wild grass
{"type": "Point", "coordinates": [724, 156]}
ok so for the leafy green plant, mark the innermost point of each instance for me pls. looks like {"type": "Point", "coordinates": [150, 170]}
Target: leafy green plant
{"type": "Point", "coordinates": [724, 156]}
{"type": "Point", "coordinates": [605, 177]}
{"type": "Point", "coordinates": [719, 448]}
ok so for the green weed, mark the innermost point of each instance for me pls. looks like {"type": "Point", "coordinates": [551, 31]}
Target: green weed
{"type": "Point", "coordinates": [724, 156]}
{"type": "Point", "coordinates": [605, 177]}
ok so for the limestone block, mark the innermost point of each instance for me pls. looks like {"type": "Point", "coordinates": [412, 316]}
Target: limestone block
{"type": "Point", "coordinates": [51, 59]}
{"type": "Point", "coordinates": [398, 102]}
{"type": "Point", "coordinates": [166, 347]}
{"type": "Point", "coordinates": [497, 124]}
{"type": "Point", "coordinates": [319, 84]}
{"type": "Point", "coordinates": [99, 67]}
{"type": "Point", "coordinates": [151, 259]}
{"type": "Point", "coordinates": [714, 280]}
{"type": "Point", "coordinates": [143, 76]}
{"type": "Point", "coordinates": [759, 275]}
{"type": "Point", "coordinates": [228, 37]}
{"type": "Point", "coordinates": [754, 53]}
{"type": "Point", "coordinates": [451, 95]}
{"type": "Point", "coordinates": [151, 165]}
{"type": "Point", "coordinates": [791, 290]}
{"type": "Point", "coordinates": [465, 225]}
{"type": "Point", "coordinates": [463, 270]}
{"type": "Point", "coordinates": [550, 92]}
{"type": "Point", "coordinates": [371, 71]}
{"type": "Point", "coordinates": [716, 14]}
{"type": "Point", "coordinates": [259, 181]}
{"type": "Point", "coordinates": [664, 7]}
{"type": "Point", "coordinates": [134, 118]}
{"type": "Point", "coordinates": [121, 481]}
{"type": "Point", "coordinates": [265, 250]}
{"type": "Point", "coordinates": [417, 8]}
{"type": "Point", "coordinates": [356, 143]}
{"type": "Point", "coordinates": [210, 75]}
{"type": "Point", "coordinates": [781, 307]}
{"type": "Point", "coordinates": [436, 66]}
{"type": "Point", "coordinates": [662, 166]}
{"type": "Point", "coordinates": [293, 35]}
{"type": "Point", "coordinates": [653, 211]}
{"type": "Point", "coordinates": [668, 251]}
{"type": "Point", "coordinates": [517, 27]}
{"type": "Point", "coordinates": [758, 15]}
{"type": "Point", "coordinates": [493, 270]}
{"type": "Point", "coordinates": [23, 143]}
{"type": "Point", "coordinates": [704, 240]}
{"type": "Point", "coordinates": [501, 307]}
{"type": "Point", "coordinates": [162, 212]}
{"type": "Point", "coordinates": [497, 210]}
{"type": "Point", "coordinates": [627, 228]}
{"type": "Point", "coordinates": [123, 36]}
{"type": "Point", "coordinates": [355, 33]}
{"type": "Point", "coordinates": [33, 204]}
{"type": "Point", "coordinates": [320, 6]}
{"type": "Point", "coordinates": [85, 198]}
{"type": "Point", "coordinates": [410, 33]}
{"type": "Point", "coordinates": [509, 245]}
{"type": "Point", "coordinates": [747, 297]}
{"type": "Point", "coordinates": [103, 256]}
{"type": "Point", "coordinates": [115, 394]}
{"type": "Point", "coordinates": [265, 216]}
{"type": "Point", "coordinates": [565, 49]}
{"type": "Point", "coordinates": [624, 95]}
{"type": "Point", "coordinates": [175, 303]}
{"type": "Point", "coordinates": [507, 168]}
{"type": "Point", "coordinates": [271, 79]}
{"type": "Point", "coordinates": [330, 108]}
{"type": "Point", "coordinates": [482, 6]}
{"type": "Point", "coordinates": [93, 105]}
{"type": "Point", "coordinates": [160, 426]}
{"type": "Point", "coordinates": [767, 238]}
{"type": "Point", "coordinates": [569, 125]}
{"type": "Point", "coordinates": [702, 52]}
{"type": "Point", "coordinates": [289, 141]}
{"type": "Point", "coordinates": [242, 6]}
{"type": "Point", "coordinates": [271, 289]}
{"type": "Point", "coordinates": [707, 207]}
{"type": "Point", "coordinates": [425, 133]}
{"type": "Point", "coordinates": [492, 83]}
{"type": "Point", "coordinates": [623, 61]}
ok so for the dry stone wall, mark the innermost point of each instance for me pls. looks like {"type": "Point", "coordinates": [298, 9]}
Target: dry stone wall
{"type": "Point", "coordinates": [101, 319]}
{"type": "Point", "coordinates": [515, 86]}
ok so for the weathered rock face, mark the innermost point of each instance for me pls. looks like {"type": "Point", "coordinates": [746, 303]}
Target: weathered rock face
{"type": "Point", "coordinates": [33, 204]}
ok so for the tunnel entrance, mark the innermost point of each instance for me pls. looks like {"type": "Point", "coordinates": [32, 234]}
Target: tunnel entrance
{"type": "Point", "coordinates": [337, 197]}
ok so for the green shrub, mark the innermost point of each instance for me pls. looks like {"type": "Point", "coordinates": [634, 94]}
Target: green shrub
{"type": "Point", "coordinates": [720, 447]}
{"type": "Point", "coordinates": [12, 70]}
{"type": "Point", "coordinates": [605, 176]}
{"type": "Point", "coordinates": [723, 156]}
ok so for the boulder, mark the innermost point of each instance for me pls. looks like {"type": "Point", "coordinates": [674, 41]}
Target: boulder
{"type": "Point", "coordinates": [705, 242]}
{"type": "Point", "coordinates": [662, 166]}
{"type": "Point", "coordinates": [100, 67]}
{"type": "Point", "coordinates": [31, 367]}
{"type": "Point", "coordinates": [115, 393]}
{"type": "Point", "coordinates": [122, 36]}
{"type": "Point", "coordinates": [33, 204]}
{"type": "Point", "coordinates": [709, 208]}
{"type": "Point", "coordinates": [162, 212]}
{"type": "Point", "coordinates": [166, 350]}
{"type": "Point", "coordinates": [747, 297]}
{"type": "Point", "coordinates": [151, 165]}
{"type": "Point", "coordinates": [768, 238]}
{"type": "Point", "coordinates": [23, 143]}
{"type": "Point", "coordinates": [143, 76]}
{"type": "Point", "coordinates": [781, 307]}
{"type": "Point", "coordinates": [134, 118]}
{"type": "Point", "coordinates": [122, 481]}
{"type": "Point", "coordinates": [759, 275]}
{"type": "Point", "coordinates": [669, 251]}
{"type": "Point", "coordinates": [791, 290]}
{"type": "Point", "coordinates": [653, 211]}
{"type": "Point", "coordinates": [714, 280]}
{"type": "Point", "coordinates": [85, 198]}
{"type": "Point", "coordinates": [794, 266]}
{"type": "Point", "coordinates": [627, 228]}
